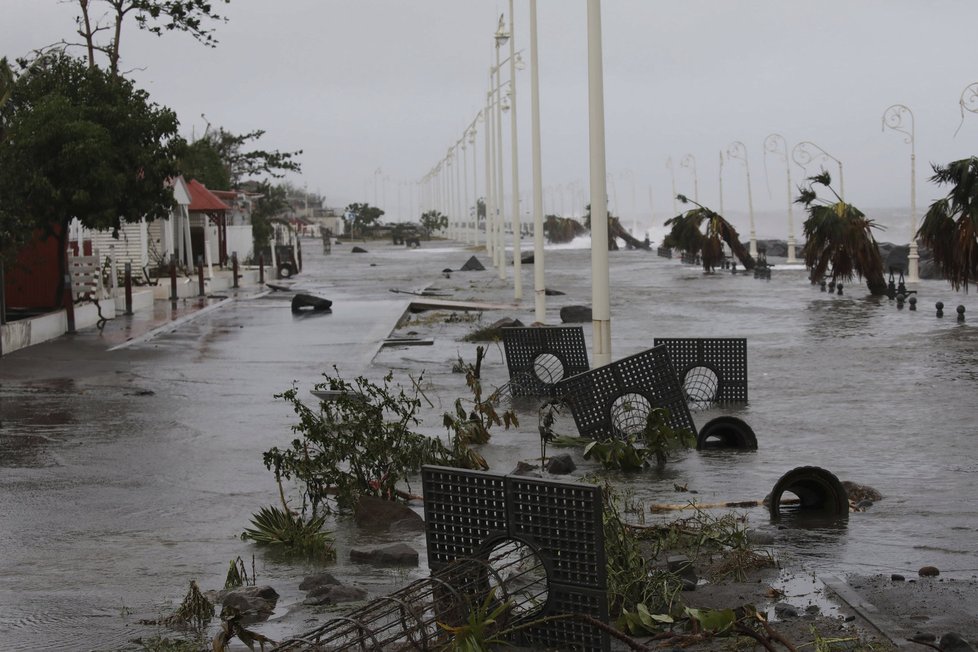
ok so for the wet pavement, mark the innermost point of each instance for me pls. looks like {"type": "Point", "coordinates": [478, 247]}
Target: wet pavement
{"type": "Point", "coordinates": [124, 474]}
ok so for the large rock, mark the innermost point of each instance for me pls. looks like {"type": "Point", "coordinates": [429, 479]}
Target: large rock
{"type": "Point", "coordinates": [254, 603]}
{"type": "Point", "coordinates": [358, 250]}
{"type": "Point", "coordinates": [334, 594]}
{"type": "Point", "coordinates": [396, 554]}
{"type": "Point", "coordinates": [954, 642]}
{"type": "Point", "coordinates": [312, 582]}
{"type": "Point", "coordinates": [526, 469]}
{"type": "Point", "coordinates": [575, 314]}
{"type": "Point", "coordinates": [379, 514]}
{"type": "Point", "coordinates": [472, 265]}
{"type": "Point", "coordinates": [561, 464]}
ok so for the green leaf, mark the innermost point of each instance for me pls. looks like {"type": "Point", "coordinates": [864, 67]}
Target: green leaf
{"type": "Point", "coordinates": [713, 620]}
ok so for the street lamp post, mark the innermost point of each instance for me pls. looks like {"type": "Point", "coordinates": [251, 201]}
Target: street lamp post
{"type": "Point", "coordinates": [738, 150]}
{"type": "Point", "coordinates": [968, 102]}
{"type": "Point", "coordinates": [893, 118]}
{"type": "Point", "coordinates": [501, 36]}
{"type": "Point", "coordinates": [461, 193]}
{"type": "Point", "coordinates": [806, 151]}
{"type": "Point", "coordinates": [490, 195]}
{"type": "Point", "coordinates": [475, 185]}
{"type": "Point", "coordinates": [689, 161]}
{"type": "Point", "coordinates": [539, 287]}
{"type": "Point", "coordinates": [776, 144]}
{"type": "Point", "coordinates": [672, 176]}
{"type": "Point", "coordinates": [515, 208]}
{"type": "Point", "coordinates": [600, 276]}
{"type": "Point", "coordinates": [720, 176]}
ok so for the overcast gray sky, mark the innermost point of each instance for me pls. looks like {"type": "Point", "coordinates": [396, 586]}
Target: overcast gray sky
{"type": "Point", "coordinates": [391, 84]}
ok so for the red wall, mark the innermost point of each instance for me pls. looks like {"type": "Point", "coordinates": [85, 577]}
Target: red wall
{"type": "Point", "coordinates": [32, 280]}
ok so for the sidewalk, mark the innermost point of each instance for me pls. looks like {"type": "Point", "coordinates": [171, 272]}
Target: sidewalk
{"type": "Point", "coordinates": [150, 316]}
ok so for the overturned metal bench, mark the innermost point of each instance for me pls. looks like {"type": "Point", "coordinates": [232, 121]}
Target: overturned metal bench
{"type": "Point", "coordinates": [614, 401]}
{"type": "Point", "coordinates": [712, 370]}
{"type": "Point", "coordinates": [539, 358]}
{"type": "Point", "coordinates": [532, 548]}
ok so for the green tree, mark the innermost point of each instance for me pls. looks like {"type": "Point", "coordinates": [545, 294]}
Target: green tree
{"type": "Point", "coordinates": [201, 161]}
{"type": "Point", "coordinates": [950, 226]}
{"type": "Point", "coordinates": [688, 234]}
{"type": "Point", "coordinates": [100, 23]}
{"type": "Point", "coordinates": [273, 201]}
{"type": "Point", "coordinates": [77, 142]}
{"type": "Point", "coordinates": [241, 162]}
{"type": "Point", "coordinates": [363, 216]}
{"type": "Point", "coordinates": [840, 236]}
{"type": "Point", "coordinates": [6, 81]}
{"type": "Point", "coordinates": [433, 221]}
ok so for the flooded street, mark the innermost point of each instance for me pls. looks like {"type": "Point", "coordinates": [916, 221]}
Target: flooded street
{"type": "Point", "coordinates": [126, 474]}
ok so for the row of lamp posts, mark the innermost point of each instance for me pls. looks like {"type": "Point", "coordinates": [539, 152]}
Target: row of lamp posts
{"type": "Point", "coordinates": [436, 190]}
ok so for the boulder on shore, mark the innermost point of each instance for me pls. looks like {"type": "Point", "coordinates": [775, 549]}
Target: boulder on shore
{"type": "Point", "coordinates": [575, 314]}
{"type": "Point", "coordinates": [377, 513]}
{"type": "Point", "coordinates": [396, 554]}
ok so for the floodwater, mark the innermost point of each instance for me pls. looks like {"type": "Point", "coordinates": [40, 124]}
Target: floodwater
{"type": "Point", "coordinates": [125, 475]}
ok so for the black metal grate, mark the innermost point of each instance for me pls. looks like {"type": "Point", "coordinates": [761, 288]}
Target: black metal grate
{"type": "Point", "coordinates": [539, 358]}
{"type": "Point", "coordinates": [462, 510]}
{"type": "Point", "coordinates": [724, 358]}
{"type": "Point", "coordinates": [561, 521]}
{"type": "Point", "coordinates": [592, 395]}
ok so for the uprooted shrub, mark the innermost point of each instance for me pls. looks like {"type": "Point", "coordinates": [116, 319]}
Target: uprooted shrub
{"type": "Point", "coordinates": [358, 442]}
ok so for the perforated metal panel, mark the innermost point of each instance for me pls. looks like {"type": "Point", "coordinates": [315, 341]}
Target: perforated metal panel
{"type": "Point", "coordinates": [725, 357]}
{"type": "Point", "coordinates": [539, 358]}
{"type": "Point", "coordinates": [650, 374]}
{"type": "Point", "coordinates": [561, 521]}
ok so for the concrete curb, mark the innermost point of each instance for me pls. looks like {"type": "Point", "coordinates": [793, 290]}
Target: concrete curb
{"type": "Point", "coordinates": [893, 631]}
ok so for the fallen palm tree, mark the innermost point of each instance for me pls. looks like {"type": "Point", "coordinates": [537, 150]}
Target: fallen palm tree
{"type": "Point", "coordinates": [702, 232]}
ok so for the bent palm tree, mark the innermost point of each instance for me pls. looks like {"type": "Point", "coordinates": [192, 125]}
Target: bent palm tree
{"type": "Point", "coordinates": [686, 234]}
{"type": "Point", "coordinates": [950, 226]}
{"type": "Point", "coordinates": [840, 236]}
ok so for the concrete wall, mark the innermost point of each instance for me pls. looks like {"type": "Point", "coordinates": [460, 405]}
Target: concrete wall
{"type": "Point", "coordinates": [28, 332]}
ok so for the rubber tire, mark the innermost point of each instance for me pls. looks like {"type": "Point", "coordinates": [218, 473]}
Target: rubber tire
{"type": "Point", "coordinates": [731, 431]}
{"type": "Point", "coordinates": [285, 270]}
{"type": "Point", "coordinates": [819, 490]}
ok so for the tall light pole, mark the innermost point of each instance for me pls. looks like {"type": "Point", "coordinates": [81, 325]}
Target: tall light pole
{"type": "Point", "coordinates": [893, 118]}
{"type": "Point", "coordinates": [806, 151]}
{"type": "Point", "coordinates": [776, 144]}
{"type": "Point", "coordinates": [475, 185]}
{"type": "Point", "coordinates": [501, 37]}
{"type": "Point", "coordinates": [721, 182]}
{"type": "Point", "coordinates": [466, 234]}
{"type": "Point", "coordinates": [515, 210]}
{"type": "Point", "coordinates": [377, 173]}
{"type": "Point", "coordinates": [539, 287]}
{"type": "Point", "coordinates": [968, 102]}
{"type": "Point", "coordinates": [672, 176]}
{"type": "Point", "coordinates": [600, 276]}
{"type": "Point", "coordinates": [459, 178]}
{"type": "Point", "coordinates": [738, 150]}
{"type": "Point", "coordinates": [490, 195]}
{"type": "Point", "coordinates": [689, 161]}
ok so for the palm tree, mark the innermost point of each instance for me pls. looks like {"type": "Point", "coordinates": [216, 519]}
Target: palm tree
{"type": "Point", "coordinates": [950, 226]}
{"type": "Point", "coordinates": [615, 231]}
{"type": "Point", "coordinates": [686, 235]}
{"type": "Point", "coordinates": [839, 236]}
